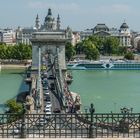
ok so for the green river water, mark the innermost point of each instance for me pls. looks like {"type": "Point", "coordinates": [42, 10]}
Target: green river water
{"type": "Point", "coordinates": [108, 90]}
{"type": "Point", "coordinates": [11, 84]}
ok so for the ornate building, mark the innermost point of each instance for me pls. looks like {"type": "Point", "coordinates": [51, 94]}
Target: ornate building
{"type": "Point", "coordinates": [50, 24]}
{"type": "Point", "coordinates": [8, 36]}
{"type": "Point", "coordinates": [124, 35]}
{"type": "Point", "coordinates": [102, 30]}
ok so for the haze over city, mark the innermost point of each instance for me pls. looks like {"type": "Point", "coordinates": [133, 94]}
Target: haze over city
{"type": "Point", "coordinates": [78, 14]}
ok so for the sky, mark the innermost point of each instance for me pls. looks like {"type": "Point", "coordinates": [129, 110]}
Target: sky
{"type": "Point", "coordinates": [78, 14]}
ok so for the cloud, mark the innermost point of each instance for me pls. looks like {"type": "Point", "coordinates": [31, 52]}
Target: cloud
{"type": "Point", "coordinates": [113, 9]}
{"type": "Point", "coordinates": [58, 6]}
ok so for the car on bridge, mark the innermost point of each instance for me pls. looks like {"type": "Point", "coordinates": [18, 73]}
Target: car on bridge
{"type": "Point", "coordinates": [47, 110]}
{"type": "Point", "coordinates": [56, 110]}
{"type": "Point", "coordinates": [48, 104]}
{"type": "Point", "coordinates": [51, 77]}
{"type": "Point", "coordinates": [41, 122]}
{"type": "Point", "coordinates": [52, 86]}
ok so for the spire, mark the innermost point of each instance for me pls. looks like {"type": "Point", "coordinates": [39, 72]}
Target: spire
{"type": "Point", "coordinates": [37, 22]}
{"type": "Point", "coordinates": [49, 12]}
{"type": "Point", "coordinates": [58, 22]}
{"type": "Point", "coordinates": [58, 17]}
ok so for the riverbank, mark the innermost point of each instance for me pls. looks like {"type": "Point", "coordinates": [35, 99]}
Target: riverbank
{"type": "Point", "coordinates": [14, 66]}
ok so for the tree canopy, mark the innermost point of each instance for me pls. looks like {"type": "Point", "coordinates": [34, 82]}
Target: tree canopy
{"type": "Point", "coordinates": [69, 51]}
{"type": "Point", "coordinates": [129, 55]}
{"type": "Point", "coordinates": [13, 106]}
{"type": "Point", "coordinates": [19, 52]}
{"type": "Point", "coordinates": [90, 50]}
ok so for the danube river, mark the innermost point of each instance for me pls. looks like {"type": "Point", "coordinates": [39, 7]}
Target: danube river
{"type": "Point", "coordinates": [11, 84]}
{"type": "Point", "coordinates": [108, 90]}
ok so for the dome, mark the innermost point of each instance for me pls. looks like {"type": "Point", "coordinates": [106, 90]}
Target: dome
{"type": "Point", "coordinates": [124, 25]}
{"type": "Point", "coordinates": [101, 27]}
{"type": "Point", "coordinates": [49, 16]}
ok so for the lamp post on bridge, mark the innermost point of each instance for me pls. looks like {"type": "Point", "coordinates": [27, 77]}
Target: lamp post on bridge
{"type": "Point", "coordinates": [91, 128]}
{"type": "Point", "coordinates": [23, 124]}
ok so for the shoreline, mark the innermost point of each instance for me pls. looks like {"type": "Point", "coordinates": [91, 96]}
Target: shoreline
{"type": "Point", "coordinates": [14, 66]}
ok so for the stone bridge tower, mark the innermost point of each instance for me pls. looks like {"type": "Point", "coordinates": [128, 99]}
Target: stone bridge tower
{"type": "Point", "coordinates": [48, 42]}
{"type": "Point", "coordinates": [49, 39]}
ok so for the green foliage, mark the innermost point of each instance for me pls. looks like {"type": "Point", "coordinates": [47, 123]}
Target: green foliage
{"type": "Point", "coordinates": [13, 106]}
{"type": "Point", "coordinates": [110, 45]}
{"type": "Point", "coordinates": [19, 52]}
{"type": "Point", "coordinates": [69, 51]}
{"type": "Point", "coordinates": [98, 41]}
{"type": "Point", "coordinates": [129, 55]}
{"type": "Point", "coordinates": [79, 48]}
{"type": "Point", "coordinates": [121, 50]}
{"type": "Point", "coordinates": [15, 110]}
{"type": "Point", "coordinates": [2, 51]}
{"type": "Point", "coordinates": [90, 50]}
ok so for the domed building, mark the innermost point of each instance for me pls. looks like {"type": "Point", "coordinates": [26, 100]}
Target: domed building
{"type": "Point", "coordinates": [101, 30]}
{"type": "Point", "coordinates": [124, 35]}
{"type": "Point", "coordinates": [50, 24]}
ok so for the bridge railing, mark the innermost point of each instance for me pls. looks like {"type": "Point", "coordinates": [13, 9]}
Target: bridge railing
{"type": "Point", "coordinates": [70, 125]}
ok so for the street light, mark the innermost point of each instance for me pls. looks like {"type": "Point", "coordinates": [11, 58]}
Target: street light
{"type": "Point", "coordinates": [91, 110]}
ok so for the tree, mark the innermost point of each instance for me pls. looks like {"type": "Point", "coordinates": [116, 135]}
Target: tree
{"type": "Point", "coordinates": [121, 50]}
{"type": "Point", "coordinates": [69, 51]}
{"type": "Point", "coordinates": [15, 109]}
{"type": "Point", "coordinates": [19, 52]}
{"type": "Point", "coordinates": [13, 106]}
{"type": "Point", "coordinates": [79, 48]}
{"type": "Point", "coordinates": [90, 50]}
{"type": "Point", "coordinates": [110, 45]}
{"type": "Point", "coordinates": [97, 41]}
{"type": "Point", "coordinates": [129, 55]}
{"type": "Point", "coordinates": [2, 51]}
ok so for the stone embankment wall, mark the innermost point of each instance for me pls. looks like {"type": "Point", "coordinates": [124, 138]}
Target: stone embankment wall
{"type": "Point", "coordinates": [13, 61]}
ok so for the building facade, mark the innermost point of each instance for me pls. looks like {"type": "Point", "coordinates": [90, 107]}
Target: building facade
{"type": "Point", "coordinates": [8, 36]}
{"type": "Point", "coordinates": [123, 33]}
{"type": "Point", "coordinates": [50, 24]}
